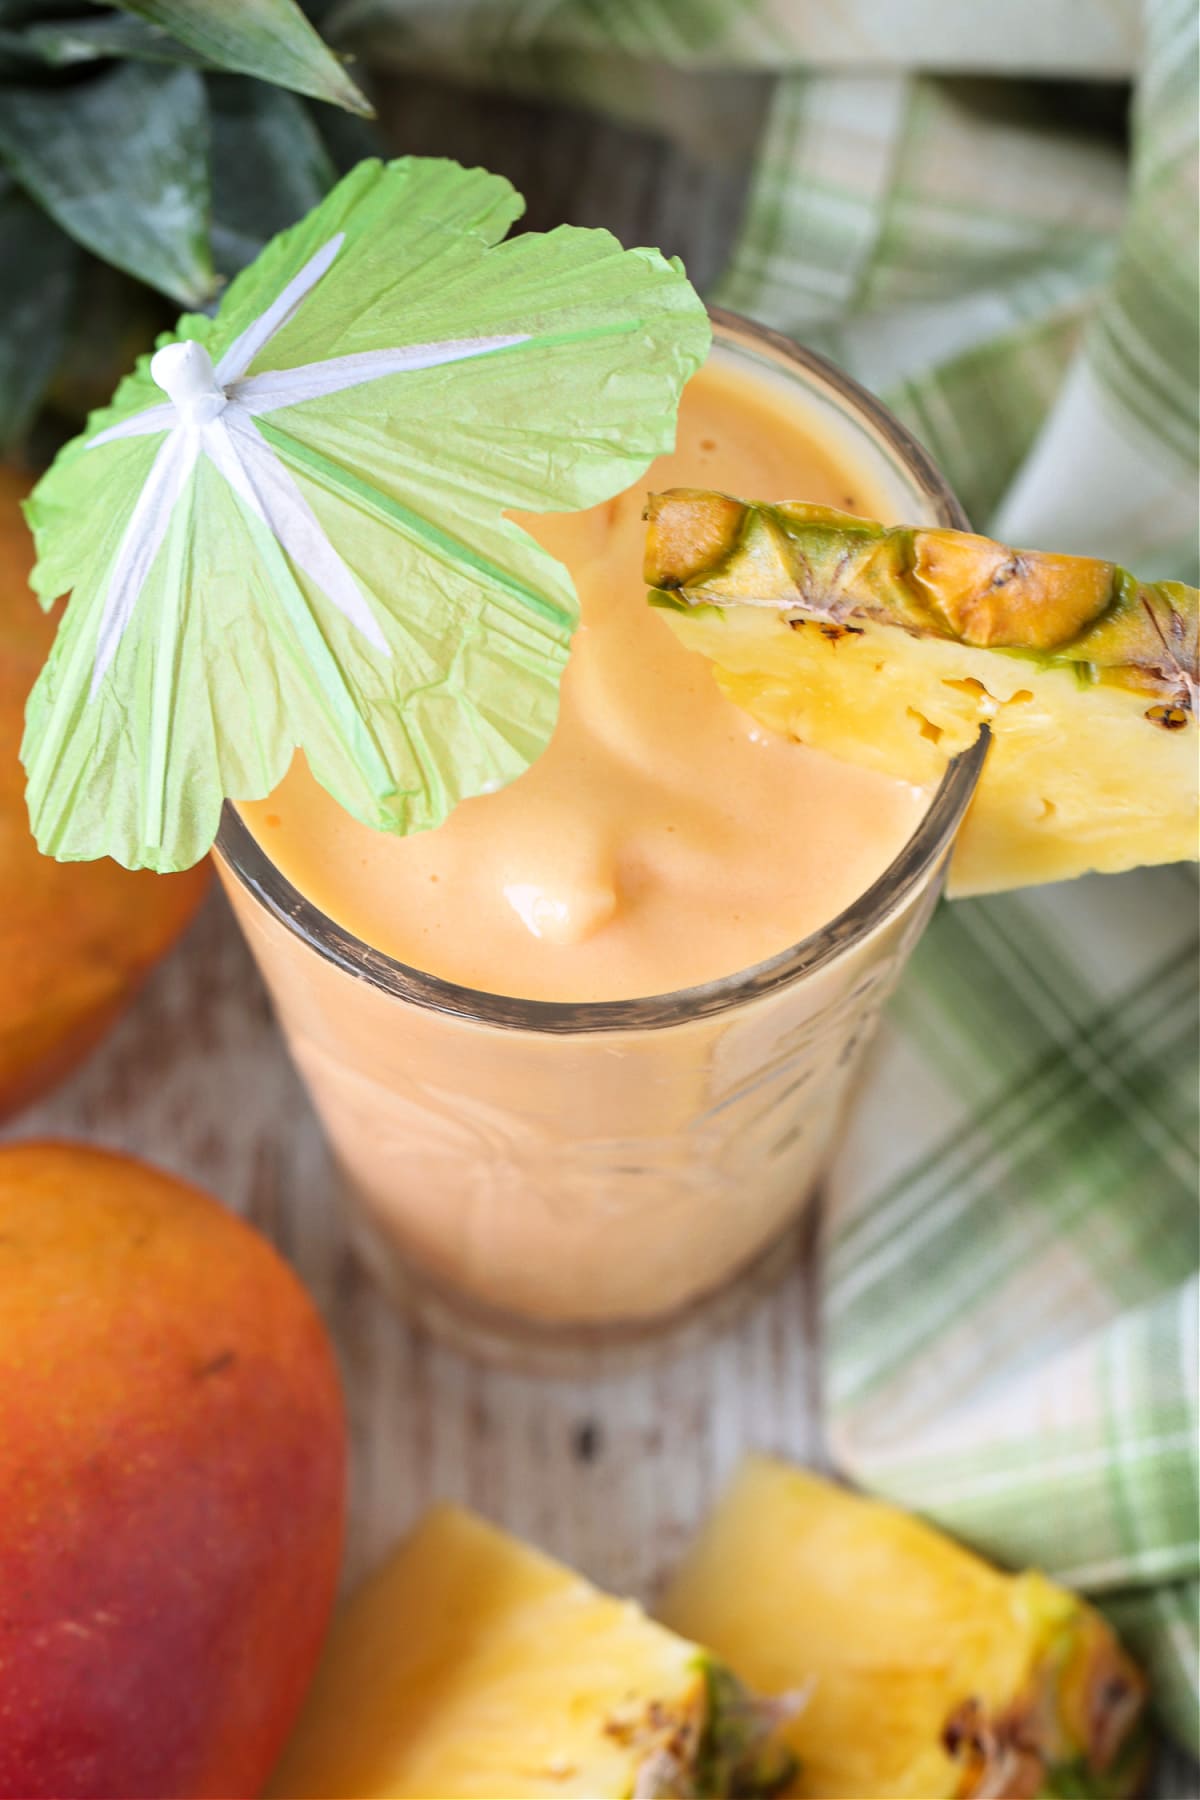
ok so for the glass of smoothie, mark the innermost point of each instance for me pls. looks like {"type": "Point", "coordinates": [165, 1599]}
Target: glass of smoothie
{"type": "Point", "coordinates": [584, 1051]}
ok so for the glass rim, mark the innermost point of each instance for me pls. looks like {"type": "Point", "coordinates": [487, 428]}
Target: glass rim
{"type": "Point", "coordinates": [245, 857]}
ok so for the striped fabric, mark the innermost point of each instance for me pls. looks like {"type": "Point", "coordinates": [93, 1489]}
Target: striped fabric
{"type": "Point", "coordinates": [1010, 1295]}
{"type": "Point", "coordinates": [1011, 1292]}
{"type": "Point", "coordinates": [1067, 37]}
{"type": "Point", "coordinates": [1011, 1257]}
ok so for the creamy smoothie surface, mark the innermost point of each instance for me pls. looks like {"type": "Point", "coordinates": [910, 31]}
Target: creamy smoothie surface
{"type": "Point", "coordinates": [662, 839]}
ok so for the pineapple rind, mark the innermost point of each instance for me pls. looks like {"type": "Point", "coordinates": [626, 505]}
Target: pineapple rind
{"type": "Point", "coordinates": [891, 648]}
{"type": "Point", "coordinates": [836, 567]}
{"type": "Point", "coordinates": [793, 1580]}
{"type": "Point", "coordinates": [1126, 1777]}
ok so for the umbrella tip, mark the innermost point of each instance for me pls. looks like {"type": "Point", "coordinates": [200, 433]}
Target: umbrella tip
{"type": "Point", "coordinates": [185, 373]}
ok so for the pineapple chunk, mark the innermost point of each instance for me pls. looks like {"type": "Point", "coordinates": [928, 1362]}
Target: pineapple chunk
{"type": "Point", "coordinates": [928, 1673]}
{"type": "Point", "coordinates": [472, 1665]}
{"type": "Point", "coordinates": [891, 648]}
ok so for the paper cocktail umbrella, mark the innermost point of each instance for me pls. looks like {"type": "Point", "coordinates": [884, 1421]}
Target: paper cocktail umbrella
{"type": "Point", "coordinates": [288, 529]}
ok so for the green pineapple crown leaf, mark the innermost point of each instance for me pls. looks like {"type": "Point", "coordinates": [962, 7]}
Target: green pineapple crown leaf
{"type": "Point", "coordinates": [741, 1751]}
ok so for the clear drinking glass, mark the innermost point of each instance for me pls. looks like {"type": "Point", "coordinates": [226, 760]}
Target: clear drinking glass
{"type": "Point", "coordinates": [537, 1178]}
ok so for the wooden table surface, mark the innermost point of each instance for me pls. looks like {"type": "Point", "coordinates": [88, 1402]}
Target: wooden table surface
{"type": "Point", "coordinates": [611, 1472]}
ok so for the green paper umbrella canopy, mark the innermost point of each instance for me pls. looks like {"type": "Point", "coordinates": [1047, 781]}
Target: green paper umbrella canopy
{"type": "Point", "coordinates": [288, 528]}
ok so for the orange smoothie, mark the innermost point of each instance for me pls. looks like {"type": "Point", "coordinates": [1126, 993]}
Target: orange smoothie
{"type": "Point", "coordinates": [663, 839]}
{"type": "Point", "coordinates": [544, 1153]}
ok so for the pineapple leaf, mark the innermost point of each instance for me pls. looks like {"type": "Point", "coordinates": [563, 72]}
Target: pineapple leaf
{"type": "Point", "coordinates": [41, 271]}
{"type": "Point", "coordinates": [269, 167]}
{"type": "Point", "coordinates": [1069, 1782]}
{"type": "Point", "coordinates": [268, 38]}
{"type": "Point", "coordinates": [741, 1751]}
{"type": "Point", "coordinates": [120, 162]}
{"type": "Point", "coordinates": [1126, 1775]}
{"type": "Point", "coordinates": [1075, 1781]}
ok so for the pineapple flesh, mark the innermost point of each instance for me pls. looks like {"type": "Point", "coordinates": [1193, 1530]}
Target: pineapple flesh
{"type": "Point", "coordinates": [892, 647]}
{"type": "Point", "coordinates": [472, 1665]}
{"type": "Point", "coordinates": [926, 1672]}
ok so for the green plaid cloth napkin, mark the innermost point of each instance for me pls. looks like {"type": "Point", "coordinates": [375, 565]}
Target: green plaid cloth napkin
{"type": "Point", "coordinates": [1011, 1295]}
{"type": "Point", "coordinates": [1011, 1259]}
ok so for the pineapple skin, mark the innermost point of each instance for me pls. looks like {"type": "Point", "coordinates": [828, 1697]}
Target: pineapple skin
{"type": "Point", "coordinates": [905, 1644]}
{"type": "Point", "coordinates": [892, 648]}
{"type": "Point", "coordinates": [471, 1665]}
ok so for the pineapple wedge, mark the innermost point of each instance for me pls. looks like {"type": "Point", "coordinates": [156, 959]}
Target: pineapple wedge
{"type": "Point", "coordinates": [927, 1673]}
{"type": "Point", "coordinates": [472, 1665]}
{"type": "Point", "coordinates": [892, 647]}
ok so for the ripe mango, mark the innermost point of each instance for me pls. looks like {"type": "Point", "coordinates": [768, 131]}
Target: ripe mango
{"type": "Point", "coordinates": [76, 939]}
{"type": "Point", "coordinates": [172, 1463]}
